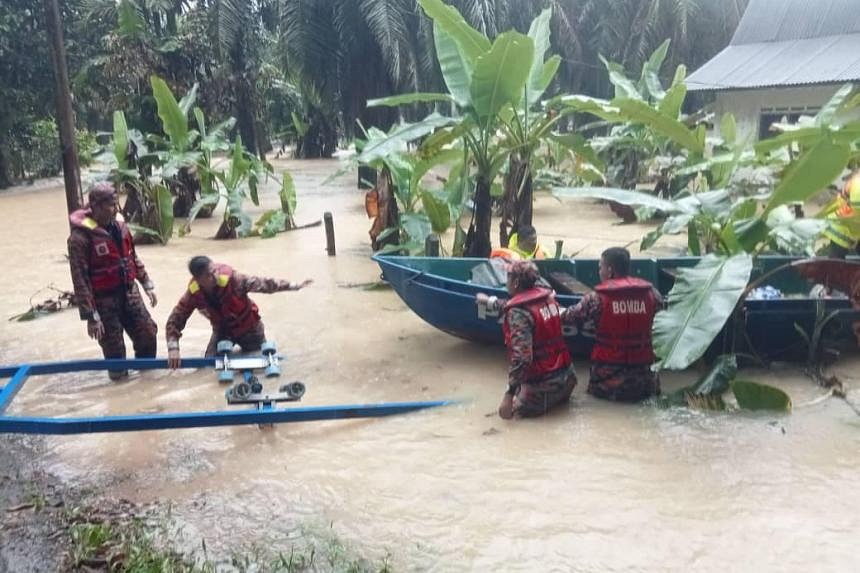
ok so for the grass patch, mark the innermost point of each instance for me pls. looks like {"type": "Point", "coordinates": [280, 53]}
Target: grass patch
{"type": "Point", "coordinates": [135, 545]}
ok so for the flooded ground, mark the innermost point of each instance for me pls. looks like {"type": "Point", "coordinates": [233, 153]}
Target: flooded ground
{"type": "Point", "coordinates": [598, 487]}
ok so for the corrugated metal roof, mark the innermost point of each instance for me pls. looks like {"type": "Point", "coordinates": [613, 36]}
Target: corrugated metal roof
{"type": "Point", "coordinates": [832, 59]}
{"type": "Point", "coordinates": [787, 43]}
{"type": "Point", "coordinates": [782, 20]}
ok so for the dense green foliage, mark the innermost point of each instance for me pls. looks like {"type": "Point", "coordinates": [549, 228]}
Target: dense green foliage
{"type": "Point", "coordinates": [302, 70]}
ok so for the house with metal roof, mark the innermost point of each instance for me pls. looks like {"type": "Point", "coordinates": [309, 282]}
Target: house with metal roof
{"type": "Point", "coordinates": [786, 59]}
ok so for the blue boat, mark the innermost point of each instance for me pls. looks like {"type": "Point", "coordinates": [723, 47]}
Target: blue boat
{"type": "Point", "coordinates": [441, 291]}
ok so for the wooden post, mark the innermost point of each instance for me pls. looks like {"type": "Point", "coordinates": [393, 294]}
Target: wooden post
{"type": "Point", "coordinates": [65, 116]}
{"type": "Point", "coordinates": [431, 245]}
{"type": "Point", "coordinates": [329, 234]}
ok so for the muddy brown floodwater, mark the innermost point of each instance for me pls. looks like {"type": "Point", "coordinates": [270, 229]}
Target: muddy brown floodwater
{"type": "Point", "coordinates": [597, 487]}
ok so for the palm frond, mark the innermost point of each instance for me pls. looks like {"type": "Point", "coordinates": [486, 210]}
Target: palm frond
{"type": "Point", "coordinates": [386, 20]}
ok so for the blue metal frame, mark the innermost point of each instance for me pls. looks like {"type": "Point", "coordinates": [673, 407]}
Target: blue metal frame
{"type": "Point", "coordinates": [267, 414]}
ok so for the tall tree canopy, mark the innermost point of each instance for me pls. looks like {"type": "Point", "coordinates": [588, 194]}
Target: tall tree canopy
{"type": "Point", "coordinates": [304, 69]}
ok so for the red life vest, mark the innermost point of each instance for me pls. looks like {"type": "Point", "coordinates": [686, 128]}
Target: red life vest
{"type": "Point", "coordinates": [627, 308]}
{"type": "Point", "coordinates": [549, 352]}
{"type": "Point", "coordinates": [235, 315]}
{"type": "Point", "coordinates": [111, 265]}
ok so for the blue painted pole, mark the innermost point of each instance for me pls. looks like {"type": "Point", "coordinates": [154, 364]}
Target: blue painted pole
{"type": "Point", "coordinates": [64, 426]}
{"type": "Point", "coordinates": [112, 364]}
{"type": "Point", "coordinates": [15, 384]}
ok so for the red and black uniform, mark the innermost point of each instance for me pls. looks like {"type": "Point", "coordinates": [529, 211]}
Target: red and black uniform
{"type": "Point", "coordinates": [627, 309]}
{"type": "Point", "coordinates": [104, 267]}
{"type": "Point", "coordinates": [540, 369]}
{"type": "Point", "coordinates": [232, 314]}
{"type": "Point", "coordinates": [622, 311]}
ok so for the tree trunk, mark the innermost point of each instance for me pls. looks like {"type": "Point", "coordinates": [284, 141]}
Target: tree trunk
{"type": "Point", "coordinates": [186, 190]}
{"type": "Point", "coordinates": [245, 115]}
{"type": "Point", "coordinates": [525, 201]}
{"type": "Point", "coordinates": [264, 142]}
{"type": "Point", "coordinates": [319, 142]}
{"type": "Point", "coordinates": [5, 176]}
{"type": "Point", "coordinates": [517, 200]}
{"type": "Point", "coordinates": [65, 116]}
{"type": "Point", "coordinates": [478, 237]}
{"type": "Point", "coordinates": [381, 203]}
{"type": "Point", "coordinates": [227, 230]}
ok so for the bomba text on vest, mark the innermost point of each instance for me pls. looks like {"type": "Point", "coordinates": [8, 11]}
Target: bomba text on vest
{"type": "Point", "coordinates": [628, 307]}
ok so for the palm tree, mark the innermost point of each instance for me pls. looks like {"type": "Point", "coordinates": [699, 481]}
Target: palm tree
{"type": "Point", "coordinates": [350, 51]}
{"type": "Point", "coordinates": [627, 31]}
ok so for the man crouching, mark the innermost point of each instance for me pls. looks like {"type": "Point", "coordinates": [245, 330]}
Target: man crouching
{"type": "Point", "coordinates": [221, 295]}
{"type": "Point", "coordinates": [540, 371]}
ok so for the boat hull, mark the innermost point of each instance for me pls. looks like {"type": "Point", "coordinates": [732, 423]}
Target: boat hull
{"type": "Point", "coordinates": [439, 291]}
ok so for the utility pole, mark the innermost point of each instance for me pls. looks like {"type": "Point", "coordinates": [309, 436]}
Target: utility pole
{"type": "Point", "coordinates": [65, 116]}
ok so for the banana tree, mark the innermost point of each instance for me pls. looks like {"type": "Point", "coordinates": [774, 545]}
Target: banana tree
{"type": "Point", "coordinates": [524, 129]}
{"type": "Point", "coordinates": [148, 206]}
{"type": "Point", "coordinates": [406, 211]}
{"type": "Point", "coordinates": [185, 154]}
{"type": "Point", "coordinates": [178, 151]}
{"type": "Point", "coordinates": [647, 127]}
{"type": "Point", "coordinates": [738, 229]}
{"type": "Point", "coordinates": [484, 80]}
{"type": "Point", "coordinates": [241, 180]}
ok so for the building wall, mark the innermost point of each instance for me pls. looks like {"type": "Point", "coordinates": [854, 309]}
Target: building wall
{"type": "Point", "coordinates": [748, 105]}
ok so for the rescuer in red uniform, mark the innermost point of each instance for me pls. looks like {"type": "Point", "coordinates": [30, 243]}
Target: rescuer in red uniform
{"type": "Point", "coordinates": [221, 295]}
{"type": "Point", "coordinates": [104, 267]}
{"type": "Point", "coordinates": [540, 371]}
{"type": "Point", "coordinates": [622, 309]}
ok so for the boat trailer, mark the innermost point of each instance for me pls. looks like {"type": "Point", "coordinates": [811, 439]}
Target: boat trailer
{"type": "Point", "coordinates": [245, 390]}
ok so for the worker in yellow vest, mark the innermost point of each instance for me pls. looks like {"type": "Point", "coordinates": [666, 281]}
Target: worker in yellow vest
{"type": "Point", "coordinates": [843, 225]}
{"type": "Point", "coordinates": [522, 246]}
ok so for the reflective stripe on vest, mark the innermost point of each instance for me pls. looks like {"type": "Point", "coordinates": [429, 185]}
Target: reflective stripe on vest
{"type": "Point", "coordinates": [235, 315]}
{"type": "Point", "coordinates": [111, 266]}
{"type": "Point", "coordinates": [514, 245]}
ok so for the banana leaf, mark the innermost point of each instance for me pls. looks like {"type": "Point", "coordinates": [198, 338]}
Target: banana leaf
{"type": "Point", "coordinates": [541, 73]}
{"type": "Point", "coordinates": [622, 196]}
{"type": "Point", "coordinates": [500, 75]}
{"type": "Point", "coordinates": [403, 99]}
{"type": "Point", "coordinates": [288, 195]}
{"type": "Point", "coordinates": [649, 80]}
{"type": "Point", "coordinates": [120, 140]}
{"type": "Point", "coordinates": [270, 223]}
{"type": "Point", "coordinates": [470, 41]}
{"type": "Point", "coordinates": [713, 384]}
{"type": "Point", "coordinates": [437, 211]}
{"type": "Point", "coordinates": [638, 111]}
{"type": "Point", "coordinates": [456, 67]}
{"type": "Point", "coordinates": [164, 203]}
{"type": "Point", "coordinates": [173, 121]}
{"type": "Point", "coordinates": [814, 170]}
{"type": "Point", "coordinates": [399, 136]}
{"type": "Point", "coordinates": [701, 301]}
{"type": "Point", "coordinates": [755, 396]}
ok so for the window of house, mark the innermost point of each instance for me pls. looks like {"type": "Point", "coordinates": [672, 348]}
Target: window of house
{"type": "Point", "coordinates": [770, 116]}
